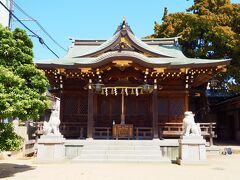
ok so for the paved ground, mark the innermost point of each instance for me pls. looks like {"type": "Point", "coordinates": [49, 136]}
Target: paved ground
{"type": "Point", "coordinates": [220, 167]}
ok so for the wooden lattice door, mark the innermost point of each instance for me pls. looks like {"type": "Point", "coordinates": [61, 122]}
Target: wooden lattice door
{"type": "Point", "coordinates": [138, 110]}
{"type": "Point", "coordinates": [171, 108]}
{"type": "Point", "coordinates": [74, 115]}
{"type": "Point", "coordinates": [108, 110]}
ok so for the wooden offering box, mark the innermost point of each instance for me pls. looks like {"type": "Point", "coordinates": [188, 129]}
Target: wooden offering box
{"type": "Point", "coordinates": [122, 131]}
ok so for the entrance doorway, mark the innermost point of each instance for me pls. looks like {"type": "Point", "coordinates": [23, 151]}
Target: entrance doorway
{"type": "Point", "coordinates": [137, 110]}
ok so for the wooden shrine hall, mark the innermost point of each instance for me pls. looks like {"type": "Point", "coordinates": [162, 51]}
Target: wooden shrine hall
{"type": "Point", "coordinates": [125, 87]}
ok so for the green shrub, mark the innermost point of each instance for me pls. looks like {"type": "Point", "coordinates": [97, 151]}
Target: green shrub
{"type": "Point", "coordinates": [9, 140]}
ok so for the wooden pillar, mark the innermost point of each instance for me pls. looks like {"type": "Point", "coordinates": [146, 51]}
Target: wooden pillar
{"type": "Point", "coordinates": [62, 99]}
{"type": "Point", "coordinates": [95, 102]}
{"type": "Point", "coordinates": [123, 110]}
{"type": "Point", "coordinates": [90, 114]}
{"type": "Point", "coordinates": [186, 101]}
{"type": "Point", "coordinates": [155, 113]}
{"type": "Point", "coordinates": [61, 114]}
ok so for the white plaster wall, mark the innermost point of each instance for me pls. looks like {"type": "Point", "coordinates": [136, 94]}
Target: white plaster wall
{"type": "Point", "coordinates": [22, 131]}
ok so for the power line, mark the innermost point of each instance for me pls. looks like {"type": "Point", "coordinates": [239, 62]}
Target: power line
{"type": "Point", "coordinates": [39, 25]}
{"type": "Point", "coordinates": [35, 35]}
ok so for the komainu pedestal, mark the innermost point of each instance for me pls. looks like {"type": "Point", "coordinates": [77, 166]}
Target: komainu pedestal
{"type": "Point", "coordinates": [192, 150]}
{"type": "Point", "coordinates": [51, 148]}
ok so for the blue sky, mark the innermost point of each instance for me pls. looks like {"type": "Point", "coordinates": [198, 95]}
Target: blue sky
{"type": "Point", "coordinates": [92, 19]}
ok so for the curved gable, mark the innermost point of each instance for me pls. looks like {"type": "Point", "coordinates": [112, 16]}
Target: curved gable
{"type": "Point", "coordinates": [125, 40]}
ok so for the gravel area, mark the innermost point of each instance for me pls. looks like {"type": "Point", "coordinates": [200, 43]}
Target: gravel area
{"type": "Point", "coordinates": [219, 167]}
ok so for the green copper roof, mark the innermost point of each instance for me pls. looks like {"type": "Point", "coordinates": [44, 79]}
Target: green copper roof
{"type": "Point", "coordinates": [135, 57]}
{"type": "Point", "coordinates": [106, 45]}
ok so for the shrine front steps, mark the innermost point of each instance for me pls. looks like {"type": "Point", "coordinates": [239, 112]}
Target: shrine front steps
{"type": "Point", "coordinates": [121, 151]}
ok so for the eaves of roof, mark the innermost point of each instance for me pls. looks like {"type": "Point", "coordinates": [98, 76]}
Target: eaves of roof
{"type": "Point", "coordinates": [135, 57]}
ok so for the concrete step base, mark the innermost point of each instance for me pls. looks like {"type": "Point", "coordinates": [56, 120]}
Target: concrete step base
{"type": "Point", "coordinates": [213, 150]}
{"type": "Point", "coordinates": [121, 151]}
{"type": "Point", "coordinates": [137, 152]}
{"type": "Point", "coordinates": [163, 160]}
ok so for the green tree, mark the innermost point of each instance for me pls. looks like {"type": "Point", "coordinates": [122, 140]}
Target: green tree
{"type": "Point", "coordinates": [9, 140]}
{"type": "Point", "coordinates": [209, 29]}
{"type": "Point", "coordinates": [22, 85]}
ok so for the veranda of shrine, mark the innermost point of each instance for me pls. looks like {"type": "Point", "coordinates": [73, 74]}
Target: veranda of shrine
{"type": "Point", "coordinates": [128, 88]}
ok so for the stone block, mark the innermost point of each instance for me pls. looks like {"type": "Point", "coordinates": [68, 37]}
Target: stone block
{"type": "Point", "coordinates": [192, 150]}
{"type": "Point", "coordinates": [51, 148]}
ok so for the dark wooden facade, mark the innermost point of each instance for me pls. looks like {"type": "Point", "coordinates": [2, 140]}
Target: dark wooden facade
{"type": "Point", "coordinates": [227, 116]}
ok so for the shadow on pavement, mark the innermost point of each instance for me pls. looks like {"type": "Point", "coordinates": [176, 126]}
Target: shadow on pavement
{"type": "Point", "coordinates": [9, 169]}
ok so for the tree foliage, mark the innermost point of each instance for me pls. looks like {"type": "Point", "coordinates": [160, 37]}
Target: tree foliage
{"type": "Point", "coordinates": [9, 140]}
{"type": "Point", "coordinates": [22, 85]}
{"type": "Point", "coordinates": [209, 29]}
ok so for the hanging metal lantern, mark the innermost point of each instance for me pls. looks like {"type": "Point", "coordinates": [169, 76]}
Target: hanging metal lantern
{"type": "Point", "coordinates": [147, 88]}
{"type": "Point", "coordinates": [98, 87]}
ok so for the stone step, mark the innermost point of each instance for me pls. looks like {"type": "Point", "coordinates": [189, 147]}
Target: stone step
{"type": "Point", "coordinates": [118, 156]}
{"type": "Point", "coordinates": [118, 147]}
{"type": "Point", "coordinates": [121, 158]}
{"type": "Point", "coordinates": [93, 151]}
{"type": "Point", "coordinates": [137, 152]}
{"type": "Point", "coordinates": [92, 156]}
{"type": "Point", "coordinates": [163, 160]}
{"type": "Point", "coordinates": [114, 147]}
{"type": "Point", "coordinates": [109, 142]}
{"type": "Point", "coordinates": [147, 148]}
{"type": "Point", "coordinates": [121, 151]}
{"type": "Point", "coordinates": [95, 147]}
{"type": "Point", "coordinates": [134, 157]}
{"type": "Point", "coordinates": [213, 150]}
{"type": "Point", "coordinates": [122, 142]}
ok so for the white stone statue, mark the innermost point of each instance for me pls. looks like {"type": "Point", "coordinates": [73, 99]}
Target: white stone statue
{"type": "Point", "coordinates": [189, 125]}
{"type": "Point", "coordinates": [52, 127]}
{"type": "Point", "coordinates": [47, 129]}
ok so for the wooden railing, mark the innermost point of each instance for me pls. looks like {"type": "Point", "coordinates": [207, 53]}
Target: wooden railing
{"type": "Point", "coordinates": [72, 129]}
{"type": "Point", "coordinates": [208, 132]}
{"type": "Point", "coordinates": [143, 133]}
{"type": "Point", "coordinates": [29, 148]}
{"type": "Point", "coordinates": [166, 130]}
{"type": "Point", "coordinates": [171, 130]}
{"type": "Point", "coordinates": [106, 133]}
{"type": "Point", "coordinates": [68, 129]}
{"type": "Point", "coordinates": [175, 130]}
{"type": "Point", "coordinates": [102, 133]}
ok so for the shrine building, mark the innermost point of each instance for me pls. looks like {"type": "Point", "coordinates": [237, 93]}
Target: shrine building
{"type": "Point", "coordinates": [126, 87]}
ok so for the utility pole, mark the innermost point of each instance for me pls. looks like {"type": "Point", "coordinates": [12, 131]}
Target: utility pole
{"type": "Point", "coordinates": [6, 16]}
{"type": "Point", "coordinates": [10, 15]}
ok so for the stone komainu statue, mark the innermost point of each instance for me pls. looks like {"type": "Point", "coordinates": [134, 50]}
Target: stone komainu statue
{"type": "Point", "coordinates": [189, 125]}
{"type": "Point", "coordinates": [52, 127]}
